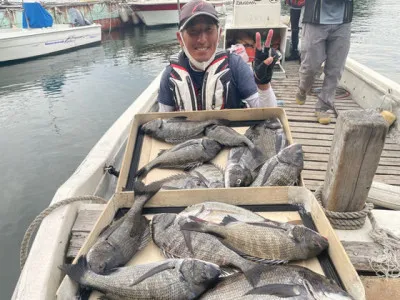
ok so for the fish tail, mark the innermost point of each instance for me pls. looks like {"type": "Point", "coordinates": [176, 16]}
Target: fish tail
{"type": "Point", "coordinates": [142, 172]}
{"type": "Point", "coordinates": [252, 272]}
{"type": "Point", "coordinates": [193, 226]}
{"type": "Point", "coordinates": [76, 271]}
{"type": "Point", "coordinates": [224, 122]}
{"type": "Point", "coordinates": [200, 225]}
{"type": "Point", "coordinates": [140, 188]}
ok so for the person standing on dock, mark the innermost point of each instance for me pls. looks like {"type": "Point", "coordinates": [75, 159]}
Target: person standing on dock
{"type": "Point", "coordinates": [325, 37]}
{"type": "Point", "coordinates": [295, 12]}
{"type": "Point", "coordinates": [200, 77]}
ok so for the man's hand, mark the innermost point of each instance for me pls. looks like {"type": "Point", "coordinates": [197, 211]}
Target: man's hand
{"type": "Point", "coordinates": [264, 60]}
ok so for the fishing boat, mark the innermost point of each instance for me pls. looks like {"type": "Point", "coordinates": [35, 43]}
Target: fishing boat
{"type": "Point", "coordinates": [163, 12]}
{"type": "Point", "coordinates": [39, 36]}
{"type": "Point", "coordinates": [360, 88]}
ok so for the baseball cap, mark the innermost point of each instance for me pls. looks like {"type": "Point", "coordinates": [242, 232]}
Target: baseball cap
{"type": "Point", "coordinates": [196, 8]}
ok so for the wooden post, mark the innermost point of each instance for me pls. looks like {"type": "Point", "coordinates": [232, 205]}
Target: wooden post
{"type": "Point", "coordinates": [355, 152]}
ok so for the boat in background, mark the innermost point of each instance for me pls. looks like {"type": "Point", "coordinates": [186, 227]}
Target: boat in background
{"type": "Point", "coordinates": [164, 12]}
{"type": "Point", "coordinates": [39, 36]}
{"type": "Point", "coordinates": [110, 15]}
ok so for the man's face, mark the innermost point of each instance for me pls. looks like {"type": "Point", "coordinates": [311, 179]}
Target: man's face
{"type": "Point", "coordinates": [201, 38]}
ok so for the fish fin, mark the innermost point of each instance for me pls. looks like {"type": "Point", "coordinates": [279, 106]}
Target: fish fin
{"type": "Point", "coordinates": [140, 188]}
{"type": "Point", "coordinates": [199, 227]}
{"type": "Point", "coordinates": [228, 219]}
{"type": "Point", "coordinates": [169, 255]}
{"type": "Point", "coordinates": [266, 224]}
{"type": "Point", "coordinates": [143, 224]}
{"type": "Point", "coordinates": [192, 165]}
{"type": "Point", "coordinates": [109, 229]}
{"type": "Point", "coordinates": [253, 273]}
{"type": "Point", "coordinates": [177, 119]}
{"type": "Point", "coordinates": [201, 176]}
{"type": "Point", "coordinates": [221, 169]}
{"type": "Point", "coordinates": [76, 271]}
{"type": "Point", "coordinates": [250, 132]}
{"type": "Point", "coordinates": [161, 151]}
{"type": "Point", "coordinates": [142, 172]}
{"type": "Point", "coordinates": [154, 187]}
{"type": "Point", "coordinates": [223, 122]}
{"type": "Point", "coordinates": [169, 188]}
{"type": "Point", "coordinates": [225, 272]}
{"type": "Point", "coordinates": [264, 261]}
{"type": "Point", "coordinates": [188, 240]}
{"type": "Point", "coordinates": [249, 143]}
{"type": "Point", "coordinates": [279, 290]}
{"type": "Point", "coordinates": [145, 238]}
{"type": "Point", "coordinates": [176, 141]}
{"type": "Point", "coordinates": [168, 265]}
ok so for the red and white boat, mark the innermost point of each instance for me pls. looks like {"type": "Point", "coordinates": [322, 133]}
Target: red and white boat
{"type": "Point", "coordinates": [164, 12]}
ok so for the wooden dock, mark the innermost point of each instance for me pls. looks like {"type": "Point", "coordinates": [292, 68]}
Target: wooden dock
{"type": "Point", "coordinates": [316, 140]}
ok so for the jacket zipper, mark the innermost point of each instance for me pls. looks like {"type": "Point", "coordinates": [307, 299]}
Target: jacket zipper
{"type": "Point", "coordinates": [203, 91]}
{"type": "Point", "coordinates": [192, 96]}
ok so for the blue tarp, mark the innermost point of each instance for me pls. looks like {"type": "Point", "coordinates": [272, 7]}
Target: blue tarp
{"type": "Point", "coordinates": [36, 16]}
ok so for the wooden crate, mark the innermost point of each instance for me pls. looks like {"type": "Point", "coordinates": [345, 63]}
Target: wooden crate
{"type": "Point", "coordinates": [260, 196]}
{"type": "Point", "coordinates": [150, 147]}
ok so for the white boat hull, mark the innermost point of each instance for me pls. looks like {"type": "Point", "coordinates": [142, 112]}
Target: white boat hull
{"type": "Point", "coordinates": [16, 44]}
{"type": "Point", "coordinates": [158, 17]}
{"type": "Point", "coordinates": [155, 13]}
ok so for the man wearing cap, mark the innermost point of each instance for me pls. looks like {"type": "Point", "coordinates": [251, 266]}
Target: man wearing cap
{"type": "Point", "coordinates": [203, 78]}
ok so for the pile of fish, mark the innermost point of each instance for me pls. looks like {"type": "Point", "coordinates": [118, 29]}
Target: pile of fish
{"type": "Point", "coordinates": [209, 255]}
{"type": "Point", "coordinates": [260, 157]}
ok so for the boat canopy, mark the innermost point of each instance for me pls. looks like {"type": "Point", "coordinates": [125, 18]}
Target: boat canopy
{"type": "Point", "coordinates": [35, 16]}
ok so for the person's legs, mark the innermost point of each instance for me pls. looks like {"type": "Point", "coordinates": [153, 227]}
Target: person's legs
{"type": "Point", "coordinates": [337, 48]}
{"type": "Point", "coordinates": [294, 24]}
{"type": "Point", "coordinates": [312, 56]}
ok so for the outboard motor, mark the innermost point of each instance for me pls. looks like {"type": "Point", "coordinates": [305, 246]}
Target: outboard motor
{"type": "Point", "coordinates": [77, 18]}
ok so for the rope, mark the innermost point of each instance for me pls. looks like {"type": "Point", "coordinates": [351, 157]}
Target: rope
{"type": "Point", "coordinates": [387, 263]}
{"type": "Point", "coordinates": [344, 220]}
{"type": "Point", "coordinates": [38, 220]}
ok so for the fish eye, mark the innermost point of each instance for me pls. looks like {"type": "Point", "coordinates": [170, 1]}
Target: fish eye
{"type": "Point", "coordinates": [239, 181]}
{"type": "Point", "coordinates": [103, 266]}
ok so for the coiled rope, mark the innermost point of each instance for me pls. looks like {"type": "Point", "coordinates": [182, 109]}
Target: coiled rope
{"type": "Point", "coordinates": [38, 220]}
{"type": "Point", "coordinates": [387, 264]}
{"type": "Point", "coordinates": [344, 220]}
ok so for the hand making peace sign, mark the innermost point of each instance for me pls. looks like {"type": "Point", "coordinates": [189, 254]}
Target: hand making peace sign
{"type": "Point", "coordinates": [265, 59]}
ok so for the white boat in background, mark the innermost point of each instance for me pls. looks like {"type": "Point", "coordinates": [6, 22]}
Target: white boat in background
{"type": "Point", "coordinates": [29, 42]}
{"type": "Point", "coordinates": [18, 44]}
{"type": "Point", "coordinates": [164, 12]}
{"type": "Point", "coordinates": [40, 277]}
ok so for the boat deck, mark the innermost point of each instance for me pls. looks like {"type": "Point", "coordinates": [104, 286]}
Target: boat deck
{"type": "Point", "coordinates": [317, 139]}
